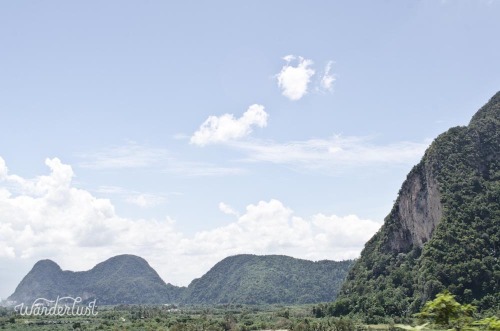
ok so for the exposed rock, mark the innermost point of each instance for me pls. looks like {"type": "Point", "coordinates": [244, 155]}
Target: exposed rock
{"type": "Point", "coordinates": [419, 210]}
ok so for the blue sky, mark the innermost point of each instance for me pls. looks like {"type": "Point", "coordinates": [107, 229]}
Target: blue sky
{"type": "Point", "coordinates": [186, 132]}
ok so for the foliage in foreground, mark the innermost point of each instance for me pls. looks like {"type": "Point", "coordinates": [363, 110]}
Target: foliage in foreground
{"type": "Point", "coordinates": [445, 312]}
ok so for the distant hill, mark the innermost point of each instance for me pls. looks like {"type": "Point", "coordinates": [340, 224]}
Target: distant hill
{"type": "Point", "coordinates": [253, 279]}
{"type": "Point", "coordinates": [245, 279]}
{"type": "Point", "coordinates": [120, 279]}
{"type": "Point", "coordinates": [443, 231]}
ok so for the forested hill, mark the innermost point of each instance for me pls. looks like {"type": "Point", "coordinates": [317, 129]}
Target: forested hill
{"type": "Point", "coordinates": [253, 279]}
{"type": "Point", "coordinates": [443, 231]}
{"type": "Point", "coordinates": [243, 279]}
{"type": "Point", "coordinates": [120, 279]}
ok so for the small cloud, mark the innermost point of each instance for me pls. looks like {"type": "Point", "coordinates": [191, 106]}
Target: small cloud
{"type": "Point", "coordinates": [326, 83]}
{"type": "Point", "coordinates": [226, 209]}
{"type": "Point", "coordinates": [225, 128]}
{"type": "Point", "coordinates": [294, 80]}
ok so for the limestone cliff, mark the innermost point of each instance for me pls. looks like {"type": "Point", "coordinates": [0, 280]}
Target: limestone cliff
{"type": "Point", "coordinates": [418, 210]}
{"type": "Point", "coordinates": [443, 231]}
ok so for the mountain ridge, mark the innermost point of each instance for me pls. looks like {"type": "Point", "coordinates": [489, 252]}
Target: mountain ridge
{"type": "Point", "coordinates": [254, 279]}
{"type": "Point", "coordinates": [117, 280]}
{"type": "Point", "coordinates": [128, 279]}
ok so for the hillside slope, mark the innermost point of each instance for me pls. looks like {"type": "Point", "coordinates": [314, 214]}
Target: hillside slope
{"type": "Point", "coordinates": [120, 279]}
{"type": "Point", "coordinates": [243, 279]}
{"type": "Point", "coordinates": [443, 231]}
{"type": "Point", "coordinates": [253, 279]}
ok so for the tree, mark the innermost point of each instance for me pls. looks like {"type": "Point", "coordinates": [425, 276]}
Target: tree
{"type": "Point", "coordinates": [445, 311]}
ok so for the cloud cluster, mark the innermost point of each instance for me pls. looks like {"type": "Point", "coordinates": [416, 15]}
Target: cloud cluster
{"type": "Point", "coordinates": [47, 217]}
{"type": "Point", "coordinates": [269, 227]}
{"type": "Point", "coordinates": [226, 127]}
{"type": "Point", "coordinates": [294, 80]}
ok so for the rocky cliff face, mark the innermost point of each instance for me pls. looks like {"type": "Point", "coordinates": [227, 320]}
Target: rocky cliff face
{"type": "Point", "coordinates": [419, 210]}
{"type": "Point", "coordinates": [443, 231]}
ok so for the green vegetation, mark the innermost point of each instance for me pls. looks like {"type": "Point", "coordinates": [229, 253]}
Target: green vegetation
{"type": "Point", "coordinates": [175, 318]}
{"type": "Point", "coordinates": [121, 279]}
{"type": "Point", "coordinates": [489, 323]}
{"type": "Point", "coordinates": [252, 279]}
{"type": "Point", "coordinates": [442, 313]}
{"type": "Point", "coordinates": [396, 274]}
{"type": "Point", "coordinates": [245, 279]}
{"type": "Point", "coordinates": [445, 311]}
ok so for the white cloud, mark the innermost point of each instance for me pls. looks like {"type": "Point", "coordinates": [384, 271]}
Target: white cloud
{"type": "Point", "coordinates": [226, 127]}
{"type": "Point", "coordinates": [6, 251]}
{"type": "Point", "coordinates": [226, 209]}
{"type": "Point", "coordinates": [348, 232]}
{"type": "Point", "coordinates": [50, 218]}
{"type": "Point", "coordinates": [333, 154]}
{"type": "Point", "coordinates": [3, 169]}
{"type": "Point", "coordinates": [269, 227]}
{"type": "Point", "coordinates": [294, 80]}
{"type": "Point", "coordinates": [326, 83]}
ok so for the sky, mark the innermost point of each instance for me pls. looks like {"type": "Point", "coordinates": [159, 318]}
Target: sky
{"type": "Point", "coordinates": [186, 132]}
